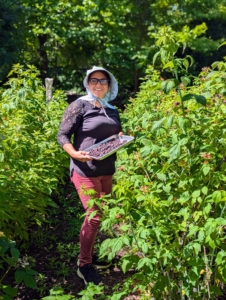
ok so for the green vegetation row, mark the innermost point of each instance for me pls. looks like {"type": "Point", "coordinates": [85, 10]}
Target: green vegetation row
{"type": "Point", "coordinates": [168, 202]}
{"type": "Point", "coordinates": [31, 165]}
{"type": "Point", "coordinates": [170, 185]}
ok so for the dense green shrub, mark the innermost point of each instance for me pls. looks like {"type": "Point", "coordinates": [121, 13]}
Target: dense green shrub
{"type": "Point", "coordinates": [30, 159]}
{"type": "Point", "coordinates": [170, 193]}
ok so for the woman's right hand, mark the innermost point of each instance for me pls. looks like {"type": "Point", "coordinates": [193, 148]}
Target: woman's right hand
{"type": "Point", "coordinates": [82, 156]}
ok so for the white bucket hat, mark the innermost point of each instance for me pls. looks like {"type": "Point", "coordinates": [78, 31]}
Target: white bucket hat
{"type": "Point", "coordinates": [113, 85]}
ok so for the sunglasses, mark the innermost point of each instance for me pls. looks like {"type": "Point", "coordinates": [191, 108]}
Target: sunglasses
{"type": "Point", "coordinates": [94, 81]}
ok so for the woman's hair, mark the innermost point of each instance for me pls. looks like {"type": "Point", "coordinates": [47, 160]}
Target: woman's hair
{"type": "Point", "coordinates": [104, 72]}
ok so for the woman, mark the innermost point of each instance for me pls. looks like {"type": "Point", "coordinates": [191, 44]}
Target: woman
{"type": "Point", "coordinates": [91, 119]}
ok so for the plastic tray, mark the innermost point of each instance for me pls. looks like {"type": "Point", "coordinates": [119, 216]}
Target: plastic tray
{"type": "Point", "coordinates": [127, 140]}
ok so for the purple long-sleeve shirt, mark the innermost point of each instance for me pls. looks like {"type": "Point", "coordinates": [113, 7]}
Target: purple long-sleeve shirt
{"type": "Point", "coordinates": [89, 125]}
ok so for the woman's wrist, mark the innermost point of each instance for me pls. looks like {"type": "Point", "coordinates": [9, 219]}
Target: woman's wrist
{"type": "Point", "coordinates": [69, 148]}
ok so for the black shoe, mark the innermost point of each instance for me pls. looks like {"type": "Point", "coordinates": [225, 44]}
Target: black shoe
{"type": "Point", "coordinates": [89, 274]}
{"type": "Point", "coordinates": [99, 264]}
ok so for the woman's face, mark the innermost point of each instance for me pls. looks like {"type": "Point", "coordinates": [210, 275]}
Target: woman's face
{"type": "Point", "coordinates": [98, 90]}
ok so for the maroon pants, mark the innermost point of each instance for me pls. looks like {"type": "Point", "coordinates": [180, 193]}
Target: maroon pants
{"type": "Point", "coordinates": [101, 185]}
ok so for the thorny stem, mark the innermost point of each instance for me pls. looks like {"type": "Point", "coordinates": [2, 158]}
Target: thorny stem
{"type": "Point", "coordinates": [168, 276]}
{"type": "Point", "coordinates": [5, 274]}
{"type": "Point", "coordinates": [181, 294]}
{"type": "Point", "coordinates": [161, 266]}
{"type": "Point", "coordinates": [176, 173]}
{"type": "Point", "coordinates": [179, 90]}
{"type": "Point", "coordinates": [212, 255]}
{"type": "Point", "coordinates": [207, 273]}
{"type": "Point", "coordinates": [147, 174]}
{"type": "Point", "coordinates": [131, 227]}
{"type": "Point", "coordinates": [220, 163]}
{"type": "Point", "coordinates": [182, 103]}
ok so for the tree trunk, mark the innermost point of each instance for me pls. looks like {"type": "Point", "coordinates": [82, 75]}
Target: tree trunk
{"type": "Point", "coordinates": [43, 57]}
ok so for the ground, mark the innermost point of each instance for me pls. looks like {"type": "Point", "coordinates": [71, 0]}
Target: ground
{"type": "Point", "coordinates": [69, 281]}
{"type": "Point", "coordinates": [72, 284]}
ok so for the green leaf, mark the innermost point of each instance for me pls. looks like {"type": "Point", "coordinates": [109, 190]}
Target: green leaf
{"type": "Point", "coordinates": [21, 94]}
{"type": "Point", "coordinates": [199, 98]}
{"type": "Point", "coordinates": [215, 290]}
{"type": "Point", "coordinates": [182, 122]}
{"type": "Point", "coordinates": [53, 204]}
{"type": "Point", "coordinates": [146, 142]}
{"type": "Point", "coordinates": [155, 148]}
{"type": "Point", "coordinates": [205, 190]}
{"type": "Point", "coordinates": [157, 124]}
{"type": "Point", "coordinates": [6, 297]}
{"type": "Point", "coordinates": [8, 290]}
{"type": "Point", "coordinates": [155, 56]}
{"type": "Point", "coordinates": [184, 141]}
{"type": "Point", "coordinates": [201, 235]}
{"type": "Point", "coordinates": [145, 123]}
{"type": "Point", "coordinates": [168, 85]}
{"type": "Point", "coordinates": [191, 59]}
{"type": "Point", "coordinates": [93, 214]}
{"type": "Point", "coordinates": [126, 265]}
{"type": "Point", "coordinates": [224, 43]}
{"type": "Point", "coordinates": [145, 248]}
{"type": "Point", "coordinates": [56, 291]}
{"type": "Point", "coordinates": [197, 248]}
{"type": "Point", "coordinates": [145, 151]}
{"type": "Point", "coordinates": [192, 230]}
{"type": "Point", "coordinates": [126, 240]}
{"type": "Point", "coordinates": [118, 295]}
{"type": "Point", "coordinates": [221, 221]}
{"type": "Point", "coordinates": [217, 196]}
{"type": "Point", "coordinates": [207, 209]}
{"type": "Point", "coordinates": [175, 152]}
{"type": "Point", "coordinates": [19, 275]}
{"type": "Point", "coordinates": [185, 80]}
{"type": "Point", "coordinates": [117, 245]}
{"type": "Point", "coordinates": [144, 262]}
{"type": "Point", "coordinates": [167, 188]}
{"type": "Point", "coordinates": [185, 63]}
{"type": "Point", "coordinates": [164, 55]}
{"type": "Point", "coordinates": [169, 120]}
{"type": "Point", "coordinates": [2, 137]}
{"type": "Point", "coordinates": [196, 194]}
{"type": "Point", "coordinates": [15, 253]}
{"type": "Point", "coordinates": [29, 281]}
{"type": "Point", "coordinates": [90, 203]}
{"type": "Point", "coordinates": [3, 249]}
{"type": "Point", "coordinates": [169, 65]}
{"type": "Point", "coordinates": [187, 97]}
{"type": "Point", "coordinates": [212, 243]}
{"type": "Point", "coordinates": [221, 257]}
{"type": "Point", "coordinates": [1, 157]}
{"type": "Point", "coordinates": [161, 176]}
{"type": "Point", "coordinates": [32, 272]}
{"type": "Point", "coordinates": [206, 170]}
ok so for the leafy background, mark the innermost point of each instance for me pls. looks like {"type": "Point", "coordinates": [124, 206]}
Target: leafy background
{"type": "Point", "coordinates": [166, 215]}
